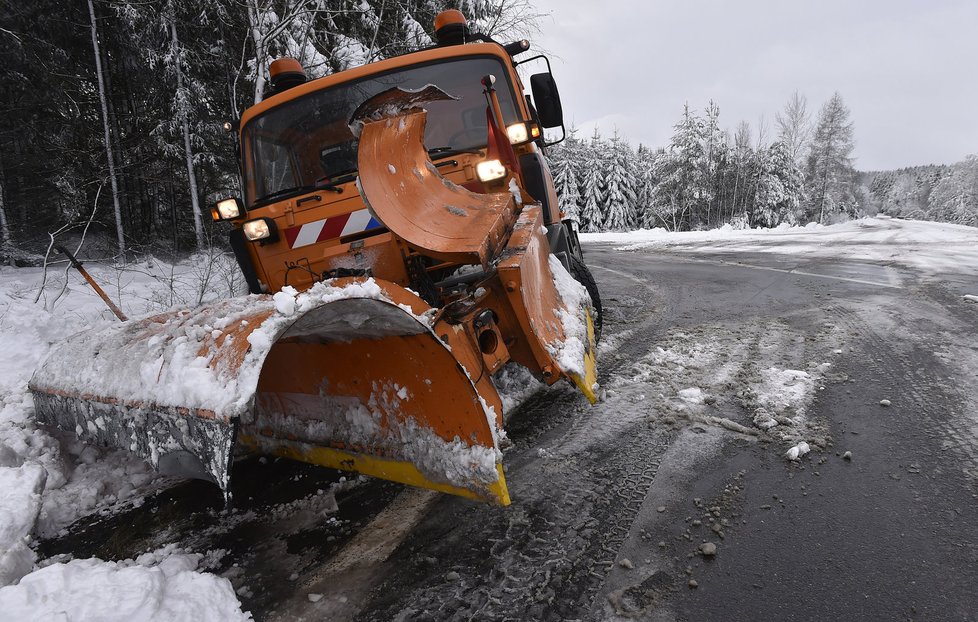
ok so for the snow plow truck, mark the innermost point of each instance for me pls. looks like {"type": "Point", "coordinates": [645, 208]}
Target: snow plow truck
{"type": "Point", "coordinates": [399, 232]}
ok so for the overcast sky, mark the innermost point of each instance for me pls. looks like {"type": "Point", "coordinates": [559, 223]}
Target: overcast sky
{"type": "Point", "coordinates": [906, 69]}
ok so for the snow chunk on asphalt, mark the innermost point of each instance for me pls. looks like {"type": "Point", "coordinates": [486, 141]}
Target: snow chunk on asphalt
{"type": "Point", "coordinates": [783, 390]}
{"type": "Point", "coordinates": [797, 451]}
{"type": "Point", "coordinates": [692, 395]}
{"type": "Point", "coordinates": [92, 589]}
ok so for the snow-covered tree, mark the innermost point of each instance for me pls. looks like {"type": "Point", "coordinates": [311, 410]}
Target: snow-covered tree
{"type": "Point", "coordinates": [565, 160]}
{"type": "Point", "coordinates": [645, 182]}
{"type": "Point", "coordinates": [955, 197]}
{"type": "Point", "coordinates": [620, 214]}
{"type": "Point", "coordinates": [779, 188]}
{"type": "Point", "coordinates": [593, 191]}
{"type": "Point", "coordinates": [683, 185]}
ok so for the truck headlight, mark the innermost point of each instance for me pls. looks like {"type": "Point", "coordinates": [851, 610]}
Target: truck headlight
{"type": "Point", "coordinates": [490, 170]}
{"type": "Point", "coordinates": [227, 209]}
{"type": "Point", "coordinates": [260, 229]}
{"type": "Point", "coordinates": [522, 132]}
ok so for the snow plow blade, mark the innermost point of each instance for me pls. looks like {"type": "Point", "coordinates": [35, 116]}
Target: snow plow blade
{"type": "Point", "coordinates": [408, 194]}
{"type": "Point", "coordinates": [441, 219]}
{"type": "Point", "coordinates": [348, 374]}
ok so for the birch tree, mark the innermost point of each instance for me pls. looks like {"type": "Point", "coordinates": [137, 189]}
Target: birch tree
{"type": "Point", "coordinates": [120, 232]}
{"type": "Point", "coordinates": [182, 104]}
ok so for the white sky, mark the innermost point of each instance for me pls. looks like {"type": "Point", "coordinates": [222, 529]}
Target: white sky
{"type": "Point", "coordinates": [908, 70]}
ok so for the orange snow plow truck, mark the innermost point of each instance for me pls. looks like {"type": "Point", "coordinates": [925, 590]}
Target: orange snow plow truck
{"type": "Point", "coordinates": [401, 239]}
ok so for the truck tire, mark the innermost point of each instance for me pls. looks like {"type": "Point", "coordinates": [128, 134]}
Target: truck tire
{"type": "Point", "coordinates": [583, 276]}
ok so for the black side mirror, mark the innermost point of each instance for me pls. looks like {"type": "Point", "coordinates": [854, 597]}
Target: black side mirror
{"type": "Point", "coordinates": [547, 100]}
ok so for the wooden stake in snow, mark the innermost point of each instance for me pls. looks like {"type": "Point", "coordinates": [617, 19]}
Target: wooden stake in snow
{"type": "Point", "coordinates": [98, 290]}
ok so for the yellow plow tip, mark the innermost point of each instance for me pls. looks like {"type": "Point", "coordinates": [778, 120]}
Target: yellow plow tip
{"type": "Point", "coordinates": [589, 380]}
{"type": "Point", "coordinates": [394, 470]}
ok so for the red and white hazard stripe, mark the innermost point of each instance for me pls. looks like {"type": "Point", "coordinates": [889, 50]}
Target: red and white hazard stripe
{"type": "Point", "coordinates": [330, 228]}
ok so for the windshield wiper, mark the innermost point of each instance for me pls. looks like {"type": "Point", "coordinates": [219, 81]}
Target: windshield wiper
{"type": "Point", "coordinates": [285, 192]}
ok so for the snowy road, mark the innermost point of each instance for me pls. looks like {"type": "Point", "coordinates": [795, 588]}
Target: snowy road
{"type": "Point", "coordinates": [713, 370]}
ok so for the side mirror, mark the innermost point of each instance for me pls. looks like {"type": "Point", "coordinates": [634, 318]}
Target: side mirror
{"type": "Point", "coordinates": [547, 100]}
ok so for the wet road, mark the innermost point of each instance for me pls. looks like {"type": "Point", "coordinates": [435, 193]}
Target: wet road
{"type": "Point", "coordinates": [612, 503]}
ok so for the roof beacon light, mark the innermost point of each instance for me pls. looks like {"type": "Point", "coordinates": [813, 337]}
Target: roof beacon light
{"type": "Point", "coordinates": [451, 27]}
{"type": "Point", "coordinates": [285, 73]}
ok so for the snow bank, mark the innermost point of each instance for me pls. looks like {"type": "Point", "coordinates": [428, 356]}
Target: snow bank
{"type": "Point", "coordinates": [49, 482]}
{"type": "Point", "coordinates": [91, 589]}
{"type": "Point", "coordinates": [20, 504]}
{"type": "Point", "coordinates": [930, 247]}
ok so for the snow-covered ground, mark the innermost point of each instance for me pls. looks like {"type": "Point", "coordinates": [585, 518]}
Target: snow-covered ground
{"type": "Point", "coordinates": [48, 482]}
{"type": "Point", "coordinates": [929, 247]}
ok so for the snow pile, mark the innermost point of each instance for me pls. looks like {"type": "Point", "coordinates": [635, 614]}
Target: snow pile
{"type": "Point", "coordinates": [49, 482]}
{"type": "Point", "coordinates": [930, 247]}
{"type": "Point", "coordinates": [779, 395]}
{"type": "Point", "coordinates": [19, 507]}
{"type": "Point", "coordinates": [515, 384]}
{"type": "Point", "coordinates": [147, 589]}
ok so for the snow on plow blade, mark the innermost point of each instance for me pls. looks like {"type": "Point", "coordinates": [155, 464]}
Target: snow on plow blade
{"type": "Point", "coordinates": [347, 374]}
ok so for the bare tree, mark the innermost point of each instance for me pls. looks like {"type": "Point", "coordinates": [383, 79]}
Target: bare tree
{"type": "Point", "coordinates": [795, 126]}
{"type": "Point", "coordinates": [830, 169]}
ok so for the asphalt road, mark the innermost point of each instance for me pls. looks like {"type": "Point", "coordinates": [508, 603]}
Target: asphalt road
{"type": "Point", "coordinates": [612, 503]}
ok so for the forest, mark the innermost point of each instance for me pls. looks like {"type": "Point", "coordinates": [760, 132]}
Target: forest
{"type": "Point", "coordinates": [113, 110]}
{"type": "Point", "coordinates": [704, 178]}
{"type": "Point", "coordinates": [113, 114]}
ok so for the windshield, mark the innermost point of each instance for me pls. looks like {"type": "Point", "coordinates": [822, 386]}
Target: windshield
{"type": "Point", "coordinates": [308, 141]}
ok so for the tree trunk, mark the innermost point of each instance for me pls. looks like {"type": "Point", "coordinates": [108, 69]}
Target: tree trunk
{"type": "Point", "coordinates": [108, 140]}
{"type": "Point", "coordinates": [259, 50]}
{"type": "Point", "coordinates": [182, 104]}
{"type": "Point", "coordinates": [4, 225]}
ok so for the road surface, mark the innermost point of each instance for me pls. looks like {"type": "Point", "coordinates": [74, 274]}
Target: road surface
{"type": "Point", "coordinates": [713, 366]}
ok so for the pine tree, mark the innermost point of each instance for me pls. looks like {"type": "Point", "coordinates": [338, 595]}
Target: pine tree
{"type": "Point", "coordinates": [682, 186]}
{"type": "Point", "coordinates": [714, 148]}
{"type": "Point", "coordinates": [593, 192]}
{"type": "Point", "coordinates": [564, 160]}
{"type": "Point", "coordinates": [645, 164]}
{"type": "Point", "coordinates": [779, 188]}
{"type": "Point", "coordinates": [620, 186]}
